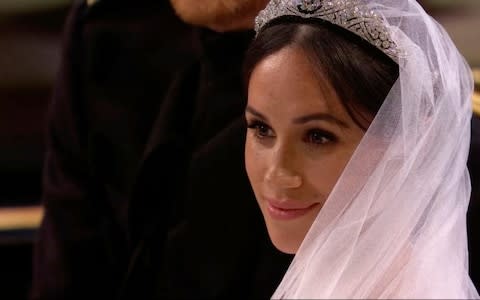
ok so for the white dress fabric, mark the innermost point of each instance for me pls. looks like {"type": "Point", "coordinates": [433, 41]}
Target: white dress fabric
{"type": "Point", "coordinates": [394, 226]}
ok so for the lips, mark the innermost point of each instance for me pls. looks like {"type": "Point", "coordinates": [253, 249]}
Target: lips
{"type": "Point", "coordinates": [289, 209]}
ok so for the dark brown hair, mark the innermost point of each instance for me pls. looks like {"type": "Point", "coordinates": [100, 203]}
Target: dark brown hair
{"type": "Point", "coordinates": [361, 74]}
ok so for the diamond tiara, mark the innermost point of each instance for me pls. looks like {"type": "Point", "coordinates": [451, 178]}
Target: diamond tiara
{"type": "Point", "coordinates": [351, 15]}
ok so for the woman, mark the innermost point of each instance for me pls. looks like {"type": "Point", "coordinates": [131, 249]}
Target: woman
{"type": "Point", "coordinates": [358, 134]}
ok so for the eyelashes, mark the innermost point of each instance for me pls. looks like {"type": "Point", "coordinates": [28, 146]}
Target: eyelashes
{"type": "Point", "coordinates": [319, 137]}
{"type": "Point", "coordinates": [313, 136]}
{"type": "Point", "coordinates": [262, 130]}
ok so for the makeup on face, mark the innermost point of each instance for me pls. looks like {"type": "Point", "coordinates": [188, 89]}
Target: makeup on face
{"type": "Point", "coordinates": [299, 139]}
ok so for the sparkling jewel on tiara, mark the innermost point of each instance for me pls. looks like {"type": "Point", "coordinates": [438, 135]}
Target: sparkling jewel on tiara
{"type": "Point", "coordinates": [348, 14]}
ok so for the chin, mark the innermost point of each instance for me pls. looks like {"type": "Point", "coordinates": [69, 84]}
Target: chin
{"type": "Point", "coordinates": [288, 235]}
{"type": "Point", "coordinates": [287, 238]}
{"type": "Point", "coordinates": [284, 247]}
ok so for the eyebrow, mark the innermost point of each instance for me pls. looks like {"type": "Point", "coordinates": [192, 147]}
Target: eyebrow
{"type": "Point", "coordinates": [303, 119]}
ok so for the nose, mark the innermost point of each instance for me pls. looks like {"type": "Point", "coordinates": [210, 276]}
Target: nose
{"type": "Point", "coordinates": [282, 172]}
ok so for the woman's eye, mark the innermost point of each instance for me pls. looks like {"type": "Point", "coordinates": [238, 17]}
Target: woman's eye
{"type": "Point", "coordinates": [262, 130]}
{"type": "Point", "coordinates": [319, 137]}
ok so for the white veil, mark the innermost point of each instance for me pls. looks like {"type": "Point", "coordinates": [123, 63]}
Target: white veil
{"type": "Point", "coordinates": [394, 226]}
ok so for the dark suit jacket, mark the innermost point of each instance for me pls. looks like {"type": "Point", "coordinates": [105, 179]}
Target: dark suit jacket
{"type": "Point", "coordinates": [144, 184]}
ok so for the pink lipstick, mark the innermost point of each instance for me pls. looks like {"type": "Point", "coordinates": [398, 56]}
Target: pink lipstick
{"type": "Point", "coordinates": [287, 210]}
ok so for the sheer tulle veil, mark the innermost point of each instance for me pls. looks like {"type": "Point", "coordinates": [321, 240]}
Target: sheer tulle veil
{"type": "Point", "coordinates": [394, 226]}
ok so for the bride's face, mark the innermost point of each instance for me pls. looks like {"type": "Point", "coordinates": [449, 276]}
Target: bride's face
{"type": "Point", "coordinates": [299, 139]}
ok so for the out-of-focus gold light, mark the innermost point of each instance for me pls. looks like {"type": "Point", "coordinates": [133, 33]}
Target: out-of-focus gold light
{"type": "Point", "coordinates": [476, 93]}
{"type": "Point", "coordinates": [20, 218]}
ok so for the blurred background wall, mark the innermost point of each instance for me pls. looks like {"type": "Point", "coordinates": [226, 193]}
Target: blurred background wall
{"type": "Point", "coordinates": [29, 56]}
{"type": "Point", "coordinates": [30, 44]}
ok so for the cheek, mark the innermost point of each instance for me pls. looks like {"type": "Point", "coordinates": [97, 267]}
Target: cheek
{"type": "Point", "coordinates": [324, 173]}
{"type": "Point", "coordinates": [254, 162]}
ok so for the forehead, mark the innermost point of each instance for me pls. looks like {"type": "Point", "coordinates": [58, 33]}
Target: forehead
{"type": "Point", "coordinates": [287, 79]}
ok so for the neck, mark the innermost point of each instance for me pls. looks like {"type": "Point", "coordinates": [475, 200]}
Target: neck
{"type": "Point", "coordinates": [242, 24]}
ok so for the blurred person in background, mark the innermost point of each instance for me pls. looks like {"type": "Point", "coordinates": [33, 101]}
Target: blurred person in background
{"type": "Point", "coordinates": [144, 189]}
